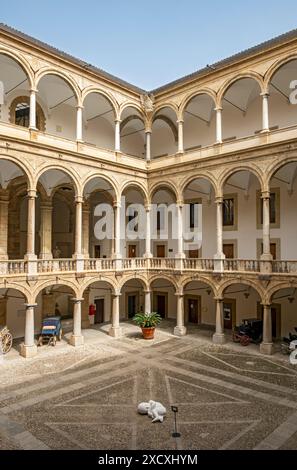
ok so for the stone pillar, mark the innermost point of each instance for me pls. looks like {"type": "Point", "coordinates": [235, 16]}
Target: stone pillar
{"type": "Point", "coordinates": [180, 124]}
{"type": "Point", "coordinates": [29, 348]}
{"type": "Point", "coordinates": [79, 123]}
{"type": "Point", "coordinates": [78, 226]}
{"type": "Point", "coordinates": [3, 311]}
{"type": "Point", "coordinates": [219, 336]}
{"type": "Point", "coordinates": [115, 329]}
{"type": "Point", "coordinates": [77, 338]}
{"type": "Point", "coordinates": [180, 329]}
{"type": "Point", "coordinates": [147, 301]}
{"type": "Point", "coordinates": [148, 135]}
{"type": "Point", "coordinates": [265, 112]}
{"type": "Point", "coordinates": [32, 116]}
{"type": "Point", "coordinates": [117, 230]}
{"type": "Point", "coordinates": [180, 239]}
{"type": "Point", "coordinates": [219, 256]}
{"type": "Point", "coordinates": [46, 210]}
{"type": "Point", "coordinates": [266, 347]}
{"type": "Point", "coordinates": [148, 253]}
{"type": "Point", "coordinates": [266, 256]}
{"type": "Point", "coordinates": [85, 321]}
{"type": "Point", "coordinates": [218, 125]}
{"type": "Point", "coordinates": [31, 226]}
{"type": "Point", "coordinates": [85, 229]}
{"type": "Point", "coordinates": [4, 201]}
{"type": "Point", "coordinates": [117, 138]}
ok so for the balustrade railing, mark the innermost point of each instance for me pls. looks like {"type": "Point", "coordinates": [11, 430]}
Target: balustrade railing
{"type": "Point", "coordinates": [249, 265]}
{"type": "Point", "coordinates": [284, 267]}
{"type": "Point", "coordinates": [201, 264]}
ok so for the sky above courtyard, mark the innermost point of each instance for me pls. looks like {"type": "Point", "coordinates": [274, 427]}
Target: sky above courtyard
{"type": "Point", "coordinates": [150, 43]}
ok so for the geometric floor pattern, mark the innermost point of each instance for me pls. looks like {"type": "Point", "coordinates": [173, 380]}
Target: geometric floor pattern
{"type": "Point", "coordinates": [225, 399]}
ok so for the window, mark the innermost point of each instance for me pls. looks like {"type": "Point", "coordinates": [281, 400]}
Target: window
{"type": "Point", "coordinates": [228, 212]}
{"type": "Point", "coordinates": [192, 215]}
{"type": "Point", "coordinates": [20, 113]}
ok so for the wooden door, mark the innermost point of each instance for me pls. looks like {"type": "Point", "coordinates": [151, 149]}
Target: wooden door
{"type": "Point", "coordinates": [131, 305]}
{"type": "Point", "coordinates": [193, 311]}
{"type": "Point", "coordinates": [193, 253]}
{"type": "Point", "coordinates": [99, 316]}
{"type": "Point", "coordinates": [161, 305]}
{"type": "Point", "coordinates": [228, 250]}
{"type": "Point", "coordinates": [97, 251]}
{"type": "Point", "coordinates": [160, 251]}
{"type": "Point", "coordinates": [272, 249]}
{"type": "Point", "coordinates": [131, 251]}
{"type": "Point", "coordinates": [229, 314]}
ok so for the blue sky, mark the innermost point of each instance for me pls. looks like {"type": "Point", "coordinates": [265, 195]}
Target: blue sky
{"type": "Point", "coordinates": [152, 42]}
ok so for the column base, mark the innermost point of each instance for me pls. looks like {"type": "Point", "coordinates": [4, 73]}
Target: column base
{"type": "Point", "coordinates": [266, 348]}
{"type": "Point", "coordinates": [76, 340]}
{"type": "Point", "coordinates": [28, 351]}
{"type": "Point", "coordinates": [180, 331]}
{"type": "Point", "coordinates": [115, 332]}
{"type": "Point", "coordinates": [48, 256]}
{"type": "Point", "coordinates": [218, 338]}
{"type": "Point", "coordinates": [148, 255]}
{"type": "Point", "coordinates": [30, 257]}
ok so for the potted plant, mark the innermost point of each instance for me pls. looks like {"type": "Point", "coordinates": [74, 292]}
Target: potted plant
{"type": "Point", "coordinates": [148, 323]}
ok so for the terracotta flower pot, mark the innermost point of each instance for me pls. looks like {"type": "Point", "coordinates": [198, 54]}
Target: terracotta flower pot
{"type": "Point", "coordinates": [148, 333]}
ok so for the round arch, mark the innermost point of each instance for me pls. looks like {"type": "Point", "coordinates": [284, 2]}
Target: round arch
{"type": "Point", "coordinates": [70, 81]}
{"type": "Point", "coordinates": [172, 106]}
{"type": "Point", "coordinates": [226, 174]}
{"type": "Point", "coordinates": [131, 104]}
{"type": "Point", "coordinates": [168, 278]}
{"type": "Point", "coordinates": [206, 176]}
{"type": "Point", "coordinates": [106, 178]}
{"type": "Point", "coordinates": [274, 68]}
{"type": "Point", "coordinates": [62, 282]}
{"type": "Point", "coordinates": [29, 298]}
{"type": "Point", "coordinates": [277, 165]}
{"type": "Point", "coordinates": [161, 185]}
{"type": "Point", "coordinates": [21, 164]}
{"type": "Point", "coordinates": [87, 283]}
{"type": "Point", "coordinates": [204, 91]}
{"type": "Point", "coordinates": [228, 84]}
{"type": "Point", "coordinates": [246, 282]}
{"type": "Point", "coordinates": [202, 279]}
{"type": "Point", "coordinates": [276, 287]}
{"type": "Point", "coordinates": [99, 91]}
{"type": "Point", "coordinates": [137, 277]}
{"type": "Point", "coordinates": [71, 173]}
{"type": "Point", "coordinates": [19, 59]}
{"type": "Point", "coordinates": [135, 185]}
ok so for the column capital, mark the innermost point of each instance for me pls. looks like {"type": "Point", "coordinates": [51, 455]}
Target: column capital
{"type": "Point", "coordinates": [219, 199]}
{"type": "Point", "coordinates": [79, 199]}
{"type": "Point", "coordinates": [266, 305]}
{"type": "Point", "coordinates": [116, 204]}
{"type": "Point", "coordinates": [218, 108]}
{"type": "Point", "coordinates": [148, 130]}
{"type": "Point", "coordinates": [31, 193]}
{"type": "Point", "coordinates": [218, 299]}
{"type": "Point", "coordinates": [46, 205]}
{"type": "Point", "coordinates": [265, 94]}
{"type": "Point", "coordinates": [180, 293]}
{"type": "Point", "coordinates": [148, 207]}
{"type": "Point", "coordinates": [4, 196]}
{"type": "Point", "coordinates": [180, 203]}
{"type": "Point", "coordinates": [117, 120]}
{"type": "Point", "coordinates": [265, 194]}
{"type": "Point", "coordinates": [147, 291]}
{"type": "Point", "coordinates": [33, 90]}
{"type": "Point", "coordinates": [77, 300]}
{"type": "Point", "coordinates": [179, 121]}
{"type": "Point", "coordinates": [30, 305]}
{"type": "Point", "coordinates": [79, 106]}
{"type": "Point", "coordinates": [116, 294]}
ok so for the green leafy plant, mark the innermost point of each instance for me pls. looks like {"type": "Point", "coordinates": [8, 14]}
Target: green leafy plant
{"type": "Point", "coordinates": [147, 320]}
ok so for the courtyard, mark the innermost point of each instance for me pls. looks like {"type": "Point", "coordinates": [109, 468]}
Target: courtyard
{"type": "Point", "coordinates": [87, 397]}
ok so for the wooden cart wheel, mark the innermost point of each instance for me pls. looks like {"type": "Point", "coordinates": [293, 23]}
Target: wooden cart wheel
{"type": "Point", "coordinates": [245, 340]}
{"type": "Point", "coordinates": [6, 343]}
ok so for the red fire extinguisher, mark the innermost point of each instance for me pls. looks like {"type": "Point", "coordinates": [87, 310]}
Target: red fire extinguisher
{"type": "Point", "coordinates": [92, 309]}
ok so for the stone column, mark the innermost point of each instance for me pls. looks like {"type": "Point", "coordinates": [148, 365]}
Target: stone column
{"type": "Point", "coordinates": [147, 301]}
{"type": "Point", "coordinates": [266, 256]}
{"type": "Point", "coordinates": [85, 229]}
{"type": "Point", "coordinates": [79, 123]}
{"type": "Point", "coordinates": [117, 138]}
{"type": "Point", "coordinates": [148, 253]}
{"type": "Point", "coordinates": [31, 226]}
{"type": "Point", "coordinates": [265, 112]}
{"type": "Point", "coordinates": [219, 336]}
{"type": "Point", "coordinates": [77, 338]}
{"type": "Point", "coordinates": [180, 124]}
{"type": "Point", "coordinates": [148, 135]}
{"type": "Point", "coordinates": [78, 226]}
{"type": "Point", "coordinates": [219, 256]}
{"type": "Point", "coordinates": [4, 201]}
{"type": "Point", "coordinates": [218, 125]}
{"type": "Point", "coordinates": [115, 329]}
{"type": "Point", "coordinates": [117, 230]}
{"type": "Point", "coordinates": [180, 329]}
{"type": "Point", "coordinates": [266, 347]}
{"type": "Point", "coordinates": [29, 348]}
{"type": "Point", "coordinates": [180, 240]}
{"type": "Point", "coordinates": [85, 322]}
{"type": "Point", "coordinates": [46, 210]}
{"type": "Point", "coordinates": [32, 116]}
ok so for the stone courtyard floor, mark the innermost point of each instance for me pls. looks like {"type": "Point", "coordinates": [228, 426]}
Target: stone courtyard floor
{"type": "Point", "coordinates": [228, 397]}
